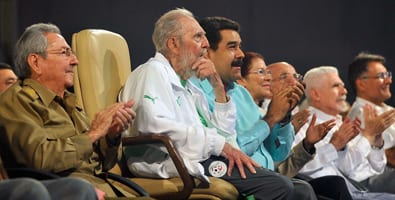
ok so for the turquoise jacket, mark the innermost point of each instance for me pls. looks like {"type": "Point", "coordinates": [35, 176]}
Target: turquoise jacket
{"type": "Point", "coordinates": [253, 133]}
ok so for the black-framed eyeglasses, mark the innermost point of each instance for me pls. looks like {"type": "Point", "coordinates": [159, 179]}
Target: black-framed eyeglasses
{"type": "Point", "coordinates": [296, 76]}
{"type": "Point", "coordinates": [64, 51]}
{"type": "Point", "coordinates": [381, 75]}
{"type": "Point", "coordinates": [261, 72]}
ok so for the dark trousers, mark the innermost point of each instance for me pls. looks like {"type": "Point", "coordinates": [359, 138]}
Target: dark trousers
{"type": "Point", "coordinates": [333, 187]}
{"type": "Point", "coordinates": [264, 184]}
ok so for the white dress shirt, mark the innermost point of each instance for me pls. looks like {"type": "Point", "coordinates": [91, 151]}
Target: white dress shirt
{"type": "Point", "coordinates": [357, 160]}
{"type": "Point", "coordinates": [356, 110]}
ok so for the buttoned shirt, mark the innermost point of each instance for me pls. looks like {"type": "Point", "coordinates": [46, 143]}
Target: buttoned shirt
{"type": "Point", "coordinates": [357, 158]}
{"type": "Point", "coordinates": [164, 106]}
{"type": "Point", "coordinates": [47, 132]}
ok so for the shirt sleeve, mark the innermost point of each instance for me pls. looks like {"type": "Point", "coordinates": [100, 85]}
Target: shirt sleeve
{"type": "Point", "coordinates": [295, 161]}
{"type": "Point", "coordinates": [360, 161]}
{"type": "Point", "coordinates": [164, 108]}
{"type": "Point", "coordinates": [41, 138]}
{"type": "Point", "coordinates": [279, 142]}
{"type": "Point", "coordinates": [325, 152]}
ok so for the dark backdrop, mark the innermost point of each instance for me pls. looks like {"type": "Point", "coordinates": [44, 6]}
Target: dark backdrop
{"type": "Point", "coordinates": [306, 33]}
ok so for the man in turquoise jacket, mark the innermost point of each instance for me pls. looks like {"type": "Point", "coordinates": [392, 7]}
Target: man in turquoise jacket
{"type": "Point", "coordinates": [264, 138]}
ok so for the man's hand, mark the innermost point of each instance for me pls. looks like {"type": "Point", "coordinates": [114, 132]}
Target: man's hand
{"type": "Point", "coordinates": [205, 68]}
{"type": "Point", "coordinates": [123, 119]}
{"type": "Point", "coordinates": [279, 106]}
{"type": "Point", "coordinates": [299, 119]}
{"type": "Point", "coordinates": [111, 120]}
{"type": "Point", "coordinates": [237, 157]}
{"type": "Point", "coordinates": [347, 131]}
{"type": "Point", "coordinates": [297, 93]}
{"type": "Point", "coordinates": [315, 133]}
{"type": "Point", "coordinates": [375, 124]}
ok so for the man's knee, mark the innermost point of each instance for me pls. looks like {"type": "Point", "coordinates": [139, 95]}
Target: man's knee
{"type": "Point", "coordinates": [303, 190]}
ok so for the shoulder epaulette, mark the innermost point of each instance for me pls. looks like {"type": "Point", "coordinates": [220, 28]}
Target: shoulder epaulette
{"type": "Point", "coordinates": [30, 92]}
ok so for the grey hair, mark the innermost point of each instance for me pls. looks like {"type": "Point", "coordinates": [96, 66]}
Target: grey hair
{"type": "Point", "coordinates": [168, 25]}
{"type": "Point", "coordinates": [315, 76]}
{"type": "Point", "coordinates": [33, 40]}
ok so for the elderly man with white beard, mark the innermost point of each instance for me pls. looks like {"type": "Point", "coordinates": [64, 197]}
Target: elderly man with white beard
{"type": "Point", "coordinates": [340, 152]}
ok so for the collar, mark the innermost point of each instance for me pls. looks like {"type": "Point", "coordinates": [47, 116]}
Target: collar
{"type": "Point", "coordinates": [378, 108]}
{"type": "Point", "coordinates": [323, 116]}
{"type": "Point", "coordinates": [173, 77]}
{"type": "Point", "coordinates": [47, 96]}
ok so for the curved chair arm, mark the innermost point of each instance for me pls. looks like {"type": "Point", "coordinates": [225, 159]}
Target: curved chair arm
{"type": "Point", "coordinates": [174, 155]}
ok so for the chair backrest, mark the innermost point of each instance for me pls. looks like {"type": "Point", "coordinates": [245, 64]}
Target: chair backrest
{"type": "Point", "coordinates": [104, 66]}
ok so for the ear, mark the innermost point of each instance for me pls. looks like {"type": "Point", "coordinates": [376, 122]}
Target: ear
{"type": "Point", "coordinates": [173, 44]}
{"type": "Point", "coordinates": [360, 84]}
{"type": "Point", "coordinates": [32, 60]}
{"type": "Point", "coordinates": [314, 94]}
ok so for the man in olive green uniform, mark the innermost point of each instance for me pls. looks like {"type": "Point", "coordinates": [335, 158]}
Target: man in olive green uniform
{"type": "Point", "coordinates": [41, 125]}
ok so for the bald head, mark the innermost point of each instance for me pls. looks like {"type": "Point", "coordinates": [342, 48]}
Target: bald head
{"type": "Point", "coordinates": [283, 75]}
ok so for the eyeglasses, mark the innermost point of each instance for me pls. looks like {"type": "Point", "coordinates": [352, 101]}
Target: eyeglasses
{"type": "Point", "coordinates": [64, 51]}
{"type": "Point", "coordinates": [284, 76]}
{"type": "Point", "coordinates": [261, 72]}
{"type": "Point", "coordinates": [381, 75]}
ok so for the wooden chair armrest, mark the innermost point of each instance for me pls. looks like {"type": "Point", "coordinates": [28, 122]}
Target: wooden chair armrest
{"type": "Point", "coordinates": [186, 178]}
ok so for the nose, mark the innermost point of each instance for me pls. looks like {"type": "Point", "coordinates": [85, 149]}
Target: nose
{"type": "Point", "coordinates": [268, 77]}
{"type": "Point", "coordinates": [292, 80]}
{"type": "Point", "coordinates": [388, 80]}
{"type": "Point", "coordinates": [205, 43]}
{"type": "Point", "coordinates": [344, 91]}
{"type": "Point", "coordinates": [74, 60]}
{"type": "Point", "coordinates": [239, 53]}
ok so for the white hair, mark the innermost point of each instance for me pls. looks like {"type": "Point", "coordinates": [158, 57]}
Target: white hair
{"type": "Point", "coordinates": [316, 76]}
{"type": "Point", "coordinates": [168, 25]}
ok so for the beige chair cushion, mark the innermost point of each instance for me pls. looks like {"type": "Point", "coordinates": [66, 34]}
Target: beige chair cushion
{"type": "Point", "coordinates": [104, 66]}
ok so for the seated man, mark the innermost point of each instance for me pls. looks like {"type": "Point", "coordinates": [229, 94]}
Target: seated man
{"type": "Point", "coordinates": [165, 104]}
{"type": "Point", "coordinates": [41, 125]}
{"type": "Point", "coordinates": [335, 154]}
{"type": "Point", "coordinates": [262, 138]}
{"type": "Point", "coordinates": [371, 81]}
{"type": "Point", "coordinates": [257, 79]}
{"type": "Point", "coordinates": [25, 188]}
{"type": "Point", "coordinates": [284, 75]}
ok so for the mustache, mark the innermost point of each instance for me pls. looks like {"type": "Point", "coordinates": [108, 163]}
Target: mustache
{"type": "Point", "coordinates": [203, 53]}
{"type": "Point", "coordinates": [343, 97]}
{"type": "Point", "coordinates": [237, 63]}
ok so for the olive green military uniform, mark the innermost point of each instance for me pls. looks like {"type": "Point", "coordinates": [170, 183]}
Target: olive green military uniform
{"type": "Point", "coordinates": [46, 132]}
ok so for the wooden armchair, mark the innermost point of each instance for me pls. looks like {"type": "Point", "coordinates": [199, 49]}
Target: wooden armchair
{"type": "Point", "coordinates": [104, 65]}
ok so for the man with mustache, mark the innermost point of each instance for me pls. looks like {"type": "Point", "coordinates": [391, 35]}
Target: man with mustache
{"type": "Point", "coordinates": [265, 139]}
{"type": "Point", "coordinates": [339, 153]}
{"type": "Point", "coordinates": [168, 103]}
{"type": "Point", "coordinates": [371, 81]}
